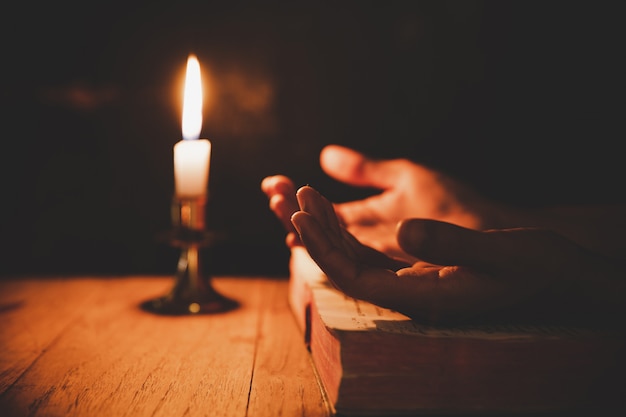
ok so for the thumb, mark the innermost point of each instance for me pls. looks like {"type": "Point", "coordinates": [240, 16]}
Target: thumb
{"type": "Point", "coordinates": [354, 168]}
{"type": "Point", "coordinates": [444, 243]}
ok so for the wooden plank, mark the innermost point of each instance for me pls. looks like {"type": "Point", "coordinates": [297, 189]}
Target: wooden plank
{"type": "Point", "coordinates": [118, 360]}
{"type": "Point", "coordinates": [284, 382]}
{"type": "Point", "coordinates": [34, 312]}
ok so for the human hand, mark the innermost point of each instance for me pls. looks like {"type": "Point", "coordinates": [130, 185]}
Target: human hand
{"type": "Point", "coordinates": [407, 190]}
{"type": "Point", "coordinates": [463, 272]}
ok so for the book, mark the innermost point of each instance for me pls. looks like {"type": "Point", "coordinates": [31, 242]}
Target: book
{"type": "Point", "coordinates": [372, 361]}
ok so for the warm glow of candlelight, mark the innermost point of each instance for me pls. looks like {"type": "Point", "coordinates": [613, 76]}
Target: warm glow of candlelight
{"type": "Point", "coordinates": [192, 155]}
{"type": "Point", "coordinates": [192, 100]}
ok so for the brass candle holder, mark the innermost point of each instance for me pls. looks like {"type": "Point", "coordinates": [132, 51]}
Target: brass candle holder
{"type": "Point", "coordinates": [193, 292]}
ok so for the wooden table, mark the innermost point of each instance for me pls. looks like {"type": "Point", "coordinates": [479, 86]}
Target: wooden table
{"type": "Point", "coordinates": [83, 347]}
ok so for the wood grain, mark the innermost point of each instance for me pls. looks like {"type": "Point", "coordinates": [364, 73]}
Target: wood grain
{"type": "Point", "coordinates": [82, 347]}
{"type": "Point", "coordinates": [275, 360]}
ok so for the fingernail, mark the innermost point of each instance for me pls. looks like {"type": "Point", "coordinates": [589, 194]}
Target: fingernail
{"type": "Point", "coordinates": [294, 221]}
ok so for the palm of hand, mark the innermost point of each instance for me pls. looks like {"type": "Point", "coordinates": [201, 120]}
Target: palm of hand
{"type": "Point", "coordinates": [415, 192]}
{"type": "Point", "coordinates": [469, 272]}
{"type": "Point", "coordinates": [421, 290]}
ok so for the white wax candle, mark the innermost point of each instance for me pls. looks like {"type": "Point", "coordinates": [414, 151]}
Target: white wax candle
{"type": "Point", "coordinates": [192, 155]}
{"type": "Point", "coordinates": [191, 168]}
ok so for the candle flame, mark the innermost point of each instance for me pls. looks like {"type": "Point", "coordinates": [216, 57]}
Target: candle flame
{"type": "Point", "coordinates": [192, 100]}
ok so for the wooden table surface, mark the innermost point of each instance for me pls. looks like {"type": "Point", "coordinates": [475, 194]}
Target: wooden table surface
{"type": "Point", "coordinates": [83, 347]}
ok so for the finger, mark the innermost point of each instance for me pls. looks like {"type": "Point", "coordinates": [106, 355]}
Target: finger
{"type": "Point", "coordinates": [343, 269]}
{"type": "Point", "coordinates": [444, 243]}
{"type": "Point", "coordinates": [312, 202]}
{"type": "Point", "coordinates": [283, 207]}
{"type": "Point", "coordinates": [282, 198]}
{"type": "Point", "coordinates": [331, 258]}
{"type": "Point", "coordinates": [354, 168]}
{"type": "Point", "coordinates": [292, 239]}
{"type": "Point", "coordinates": [322, 210]}
{"type": "Point", "coordinates": [277, 184]}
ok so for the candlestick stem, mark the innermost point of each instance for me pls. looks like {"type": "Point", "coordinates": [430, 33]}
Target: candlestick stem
{"type": "Point", "coordinates": [193, 292]}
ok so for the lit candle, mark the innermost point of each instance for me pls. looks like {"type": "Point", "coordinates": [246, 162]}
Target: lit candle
{"type": "Point", "coordinates": [192, 155]}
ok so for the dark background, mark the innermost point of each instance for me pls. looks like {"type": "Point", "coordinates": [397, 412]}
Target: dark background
{"type": "Point", "coordinates": [524, 100]}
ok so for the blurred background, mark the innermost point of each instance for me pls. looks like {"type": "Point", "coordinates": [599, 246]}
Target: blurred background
{"type": "Point", "coordinates": [523, 100]}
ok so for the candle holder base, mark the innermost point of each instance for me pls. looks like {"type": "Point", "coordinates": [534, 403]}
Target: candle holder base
{"type": "Point", "coordinates": [192, 294]}
{"type": "Point", "coordinates": [173, 306]}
